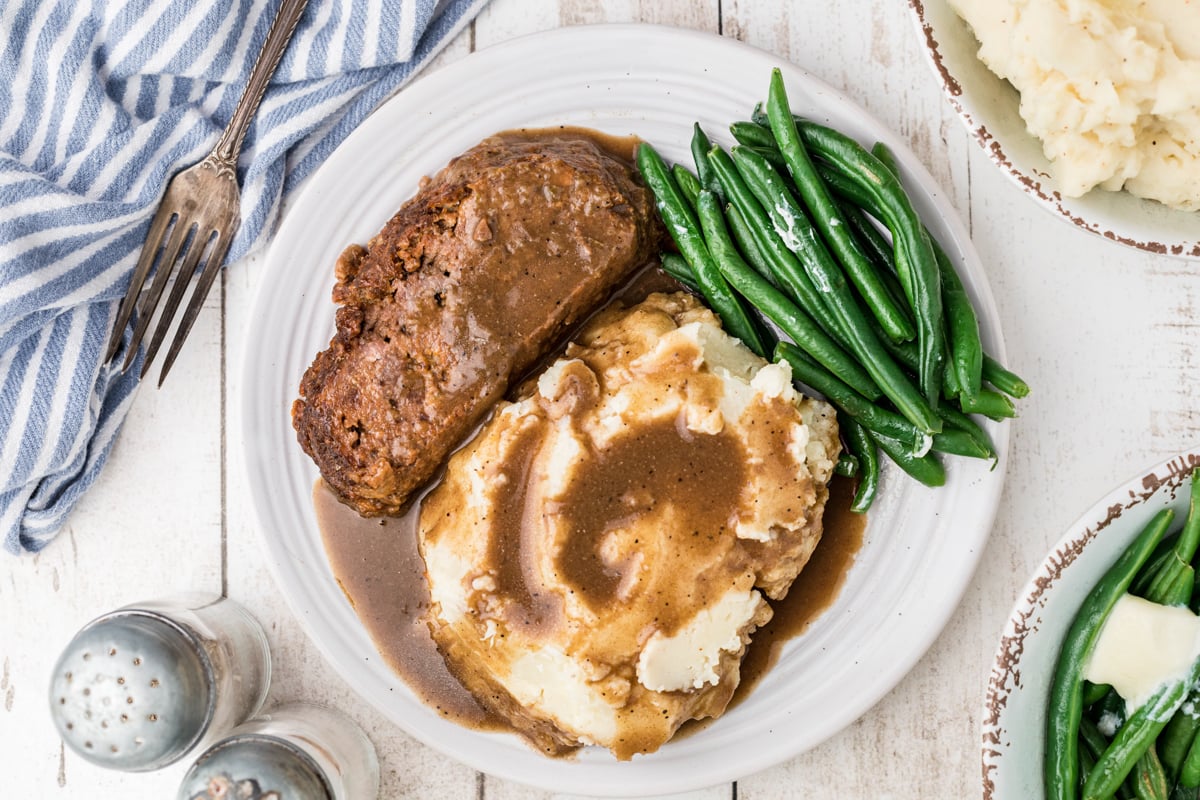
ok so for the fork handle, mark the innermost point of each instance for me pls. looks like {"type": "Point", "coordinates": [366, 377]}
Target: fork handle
{"type": "Point", "coordinates": [230, 144]}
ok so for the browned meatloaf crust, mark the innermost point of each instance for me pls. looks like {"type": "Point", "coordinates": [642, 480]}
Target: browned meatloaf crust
{"type": "Point", "coordinates": [465, 288]}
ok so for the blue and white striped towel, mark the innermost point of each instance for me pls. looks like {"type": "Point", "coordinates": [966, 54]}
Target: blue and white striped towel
{"type": "Point", "coordinates": [101, 101]}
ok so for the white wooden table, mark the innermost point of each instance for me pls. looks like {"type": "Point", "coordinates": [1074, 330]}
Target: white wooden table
{"type": "Point", "coordinates": [1107, 336]}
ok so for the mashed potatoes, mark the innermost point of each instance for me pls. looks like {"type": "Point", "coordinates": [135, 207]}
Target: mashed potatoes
{"type": "Point", "coordinates": [1111, 87]}
{"type": "Point", "coordinates": [600, 553]}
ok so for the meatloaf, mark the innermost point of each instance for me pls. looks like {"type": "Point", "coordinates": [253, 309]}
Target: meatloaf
{"type": "Point", "coordinates": [465, 288]}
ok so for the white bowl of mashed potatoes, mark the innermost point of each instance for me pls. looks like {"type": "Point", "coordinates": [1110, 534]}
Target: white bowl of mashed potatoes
{"type": "Point", "coordinates": [1091, 106]}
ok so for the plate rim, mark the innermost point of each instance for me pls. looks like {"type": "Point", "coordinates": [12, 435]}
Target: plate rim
{"type": "Point", "coordinates": [929, 190]}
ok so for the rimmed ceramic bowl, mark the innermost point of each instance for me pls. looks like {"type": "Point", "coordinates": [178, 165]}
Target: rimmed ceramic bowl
{"type": "Point", "coordinates": [1014, 709]}
{"type": "Point", "coordinates": [988, 105]}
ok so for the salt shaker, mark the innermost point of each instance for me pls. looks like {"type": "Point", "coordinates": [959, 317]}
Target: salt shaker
{"type": "Point", "coordinates": [140, 687]}
{"type": "Point", "coordinates": [297, 752]}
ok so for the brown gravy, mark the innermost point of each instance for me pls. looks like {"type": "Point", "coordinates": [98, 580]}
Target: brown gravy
{"type": "Point", "coordinates": [378, 568]}
{"type": "Point", "coordinates": [814, 591]}
{"type": "Point", "coordinates": [376, 563]}
{"type": "Point", "coordinates": [705, 472]}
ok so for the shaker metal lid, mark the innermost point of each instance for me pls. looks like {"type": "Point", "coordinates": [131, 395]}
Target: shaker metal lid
{"type": "Point", "coordinates": [132, 691]}
{"type": "Point", "coordinates": [255, 766]}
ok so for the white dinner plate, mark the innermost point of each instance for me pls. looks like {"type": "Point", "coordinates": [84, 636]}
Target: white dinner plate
{"type": "Point", "coordinates": [1014, 708]}
{"type": "Point", "coordinates": [920, 546]}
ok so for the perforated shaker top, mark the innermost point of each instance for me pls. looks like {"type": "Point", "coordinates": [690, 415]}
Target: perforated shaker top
{"type": "Point", "coordinates": [256, 767]}
{"type": "Point", "coordinates": [132, 691]}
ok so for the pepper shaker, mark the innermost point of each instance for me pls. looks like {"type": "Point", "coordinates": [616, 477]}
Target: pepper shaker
{"type": "Point", "coordinates": [140, 687]}
{"type": "Point", "coordinates": [297, 752]}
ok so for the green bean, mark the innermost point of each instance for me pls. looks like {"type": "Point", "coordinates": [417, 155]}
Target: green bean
{"type": "Point", "coordinates": [1086, 764]}
{"type": "Point", "coordinates": [867, 453]}
{"type": "Point", "coordinates": [769, 154]}
{"type": "Point", "coordinates": [869, 415]}
{"type": "Point", "coordinates": [767, 337]}
{"type": "Point", "coordinates": [846, 465]}
{"type": "Point", "coordinates": [1177, 737]}
{"type": "Point", "coordinates": [926, 469]}
{"type": "Point", "coordinates": [918, 270]}
{"type": "Point", "coordinates": [953, 389]}
{"type": "Point", "coordinates": [788, 272]}
{"type": "Point", "coordinates": [992, 405]}
{"type": "Point", "coordinates": [1137, 734]}
{"type": "Point", "coordinates": [962, 326]}
{"type": "Point", "coordinates": [1172, 584]}
{"type": "Point", "coordinates": [684, 228]}
{"type": "Point", "coordinates": [1094, 692]}
{"type": "Point", "coordinates": [752, 134]}
{"type": "Point", "coordinates": [1180, 589]}
{"type": "Point", "coordinates": [825, 216]}
{"type": "Point", "coordinates": [700, 147]}
{"type": "Point", "coordinates": [1161, 557]}
{"type": "Point", "coordinates": [772, 303]}
{"type": "Point", "coordinates": [1150, 780]}
{"type": "Point", "coordinates": [957, 419]}
{"type": "Point", "coordinates": [988, 403]}
{"type": "Point", "coordinates": [969, 358]}
{"type": "Point", "coordinates": [844, 187]}
{"type": "Point", "coordinates": [904, 352]}
{"type": "Point", "coordinates": [992, 371]}
{"type": "Point", "coordinates": [873, 241]}
{"type": "Point", "coordinates": [1189, 772]}
{"type": "Point", "coordinates": [759, 116]}
{"type": "Point", "coordinates": [960, 443]}
{"type": "Point", "coordinates": [677, 267]}
{"type": "Point", "coordinates": [1007, 382]}
{"type": "Point", "coordinates": [886, 157]}
{"type": "Point", "coordinates": [1092, 739]}
{"type": "Point", "coordinates": [689, 184]}
{"type": "Point", "coordinates": [744, 238]}
{"type": "Point", "coordinates": [1065, 708]}
{"type": "Point", "coordinates": [1181, 792]}
{"type": "Point", "coordinates": [929, 311]}
{"type": "Point", "coordinates": [793, 226]}
{"type": "Point", "coordinates": [857, 204]}
{"type": "Point", "coordinates": [877, 249]}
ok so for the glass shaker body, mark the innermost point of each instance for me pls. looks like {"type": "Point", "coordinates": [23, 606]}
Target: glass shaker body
{"type": "Point", "coordinates": [300, 751]}
{"type": "Point", "coordinates": [140, 687]}
{"type": "Point", "coordinates": [236, 648]}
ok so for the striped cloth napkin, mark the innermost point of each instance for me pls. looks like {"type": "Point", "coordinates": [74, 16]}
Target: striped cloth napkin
{"type": "Point", "coordinates": [101, 101]}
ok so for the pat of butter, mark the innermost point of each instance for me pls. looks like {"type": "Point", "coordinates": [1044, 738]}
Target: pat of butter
{"type": "Point", "coordinates": [1142, 646]}
{"type": "Point", "coordinates": [689, 659]}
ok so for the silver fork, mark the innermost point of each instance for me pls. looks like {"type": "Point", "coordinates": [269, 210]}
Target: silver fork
{"type": "Point", "coordinates": [199, 213]}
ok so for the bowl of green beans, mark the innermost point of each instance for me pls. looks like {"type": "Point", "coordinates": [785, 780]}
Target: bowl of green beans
{"type": "Point", "coordinates": [1050, 732]}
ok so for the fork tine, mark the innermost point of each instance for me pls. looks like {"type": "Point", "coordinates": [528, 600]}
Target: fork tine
{"type": "Point", "coordinates": [154, 236]}
{"type": "Point", "coordinates": [166, 266]}
{"type": "Point", "coordinates": [211, 267]}
{"type": "Point", "coordinates": [182, 280]}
